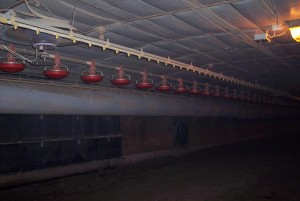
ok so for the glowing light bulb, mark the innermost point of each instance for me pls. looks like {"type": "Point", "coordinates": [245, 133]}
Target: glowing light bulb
{"type": "Point", "coordinates": [295, 32]}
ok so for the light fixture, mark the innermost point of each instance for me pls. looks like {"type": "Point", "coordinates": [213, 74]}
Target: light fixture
{"type": "Point", "coordinates": [295, 32]}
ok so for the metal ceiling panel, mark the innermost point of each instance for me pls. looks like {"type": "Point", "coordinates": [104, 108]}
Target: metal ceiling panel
{"type": "Point", "coordinates": [6, 3]}
{"type": "Point", "coordinates": [209, 2]}
{"type": "Point", "coordinates": [292, 49]}
{"type": "Point", "coordinates": [84, 52]}
{"type": "Point", "coordinates": [252, 53]}
{"type": "Point", "coordinates": [221, 68]}
{"type": "Point", "coordinates": [168, 5]}
{"type": "Point", "coordinates": [212, 43]}
{"type": "Point", "coordinates": [121, 40]}
{"type": "Point", "coordinates": [136, 7]}
{"type": "Point", "coordinates": [102, 9]}
{"type": "Point", "coordinates": [197, 59]}
{"type": "Point", "coordinates": [231, 54]}
{"type": "Point", "coordinates": [294, 62]}
{"type": "Point", "coordinates": [194, 19]}
{"type": "Point", "coordinates": [278, 51]}
{"type": "Point", "coordinates": [81, 15]}
{"type": "Point", "coordinates": [153, 29]}
{"type": "Point", "coordinates": [232, 42]}
{"type": "Point", "coordinates": [288, 9]}
{"type": "Point", "coordinates": [176, 25]}
{"type": "Point", "coordinates": [130, 32]}
{"type": "Point", "coordinates": [252, 8]}
{"type": "Point", "coordinates": [229, 15]}
{"type": "Point", "coordinates": [192, 44]}
{"type": "Point", "coordinates": [174, 47]}
{"type": "Point", "coordinates": [153, 49]}
{"type": "Point", "coordinates": [109, 10]}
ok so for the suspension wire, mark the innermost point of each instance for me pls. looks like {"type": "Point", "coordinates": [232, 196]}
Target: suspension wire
{"type": "Point", "coordinates": [20, 56]}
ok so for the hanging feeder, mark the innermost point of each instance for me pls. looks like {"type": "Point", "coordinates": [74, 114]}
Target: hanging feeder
{"type": "Point", "coordinates": [144, 82]}
{"type": "Point", "coordinates": [242, 97]}
{"type": "Point", "coordinates": [57, 71]}
{"type": "Point", "coordinates": [217, 91]}
{"type": "Point", "coordinates": [254, 97]}
{"type": "Point", "coordinates": [194, 90]}
{"type": "Point", "coordinates": [226, 94]}
{"type": "Point", "coordinates": [206, 91]}
{"type": "Point", "coordinates": [163, 86]}
{"type": "Point", "coordinates": [234, 96]}
{"type": "Point", "coordinates": [120, 79]}
{"type": "Point", "coordinates": [181, 88]}
{"type": "Point", "coordinates": [11, 65]}
{"type": "Point", "coordinates": [248, 96]}
{"type": "Point", "coordinates": [91, 75]}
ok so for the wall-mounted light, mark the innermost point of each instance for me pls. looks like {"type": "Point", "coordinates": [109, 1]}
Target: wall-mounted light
{"type": "Point", "coordinates": [295, 32]}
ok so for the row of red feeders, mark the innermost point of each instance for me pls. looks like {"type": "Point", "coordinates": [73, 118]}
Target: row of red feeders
{"type": "Point", "coordinates": [57, 71]}
{"type": "Point", "coordinates": [144, 82]}
{"type": "Point", "coordinates": [120, 79]}
{"type": "Point", "coordinates": [91, 75]}
{"type": "Point", "coordinates": [163, 86]}
{"type": "Point", "coordinates": [11, 65]}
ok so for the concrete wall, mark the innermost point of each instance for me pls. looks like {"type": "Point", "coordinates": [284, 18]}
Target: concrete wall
{"type": "Point", "coordinates": [148, 134]}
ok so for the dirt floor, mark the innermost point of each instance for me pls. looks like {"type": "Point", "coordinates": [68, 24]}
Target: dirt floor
{"type": "Point", "coordinates": [254, 171]}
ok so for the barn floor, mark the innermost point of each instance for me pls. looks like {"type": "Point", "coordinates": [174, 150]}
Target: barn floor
{"type": "Point", "coordinates": [262, 170]}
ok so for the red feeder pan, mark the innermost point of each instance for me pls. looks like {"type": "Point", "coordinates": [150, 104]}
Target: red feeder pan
{"type": "Point", "coordinates": [11, 67]}
{"type": "Point", "coordinates": [56, 74]}
{"type": "Point", "coordinates": [194, 91]}
{"type": "Point", "coordinates": [91, 78]}
{"type": "Point", "coordinates": [216, 95]}
{"type": "Point", "coordinates": [206, 93]}
{"type": "Point", "coordinates": [164, 88]}
{"type": "Point", "coordinates": [180, 90]}
{"type": "Point", "coordinates": [144, 85]}
{"type": "Point", "coordinates": [227, 96]}
{"type": "Point", "coordinates": [120, 82]}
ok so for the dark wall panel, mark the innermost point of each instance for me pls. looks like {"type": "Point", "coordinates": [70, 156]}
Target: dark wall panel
{"type": "Point", "coordinates": [145, 134]}
{"type": "Point", "coordinates": [29, 142]}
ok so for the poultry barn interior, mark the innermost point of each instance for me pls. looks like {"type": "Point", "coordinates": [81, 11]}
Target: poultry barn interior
{"type": "Point", "coordinates": [149, 100]}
